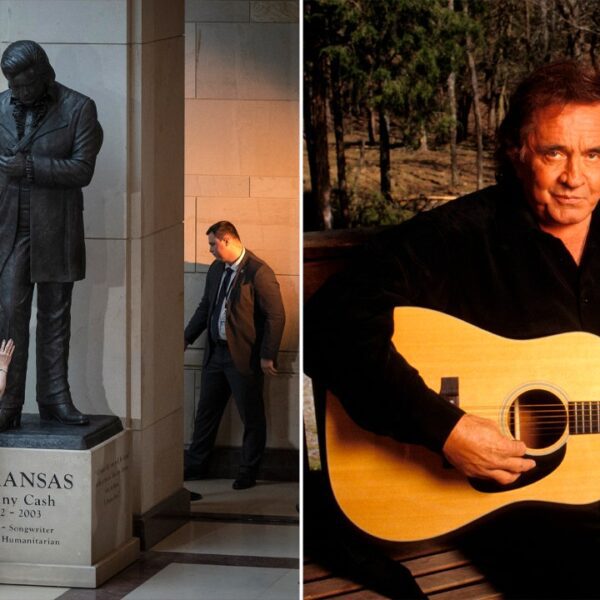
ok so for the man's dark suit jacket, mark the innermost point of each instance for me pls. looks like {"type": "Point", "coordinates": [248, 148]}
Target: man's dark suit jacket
{"type": "Point", "coordinates": [255, 314]}
{"type": "Point", "coordinates": [63, 150]}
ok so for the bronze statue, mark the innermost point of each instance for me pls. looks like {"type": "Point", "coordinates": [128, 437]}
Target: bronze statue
{"type": "Point", "coordinates": [49, 139]}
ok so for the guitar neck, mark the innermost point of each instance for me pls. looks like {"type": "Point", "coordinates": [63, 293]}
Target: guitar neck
{"type": "Point", "coordinates": [584, 417]}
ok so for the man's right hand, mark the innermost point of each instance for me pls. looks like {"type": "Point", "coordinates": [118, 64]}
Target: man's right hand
{"type": "Point", "coordinates": [477, 448]}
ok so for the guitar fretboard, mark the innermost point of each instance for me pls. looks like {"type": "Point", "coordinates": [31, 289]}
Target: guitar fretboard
{"type": "Point", "coordinates": [584, 417]}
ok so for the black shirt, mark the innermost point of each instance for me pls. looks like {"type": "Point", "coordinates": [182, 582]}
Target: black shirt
{"type": "Point", "coordinates": [481, 258]}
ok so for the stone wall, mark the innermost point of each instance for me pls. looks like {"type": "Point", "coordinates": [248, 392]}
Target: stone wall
{"type": "Point", "coordinates": [242, 165]}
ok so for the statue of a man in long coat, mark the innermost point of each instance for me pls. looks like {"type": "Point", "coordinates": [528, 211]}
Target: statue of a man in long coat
{"type": "Point", "coordinates": [49, 139]}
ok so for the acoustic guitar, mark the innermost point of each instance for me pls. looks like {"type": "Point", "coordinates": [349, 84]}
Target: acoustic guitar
{"type": "Point", "coordinates": [545, 392]}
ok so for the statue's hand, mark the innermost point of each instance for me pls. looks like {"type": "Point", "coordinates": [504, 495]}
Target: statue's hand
{"type": "Point", "coordinates": [13, 166]}
{"type": "Point", "coordinates": [6, 353]}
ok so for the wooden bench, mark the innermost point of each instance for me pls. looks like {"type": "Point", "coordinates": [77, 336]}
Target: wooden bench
{"type": "Point", "coordinates": [441, 571]}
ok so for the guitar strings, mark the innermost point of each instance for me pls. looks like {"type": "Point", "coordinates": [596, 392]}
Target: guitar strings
{"type": "Point", "coordinates": [549, 421]}
{"type": "Point", "coordinates": [552, 419]}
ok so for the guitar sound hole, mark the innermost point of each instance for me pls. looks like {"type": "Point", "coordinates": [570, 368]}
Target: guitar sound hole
{"type": "Point", "coordinates": [538, 418]}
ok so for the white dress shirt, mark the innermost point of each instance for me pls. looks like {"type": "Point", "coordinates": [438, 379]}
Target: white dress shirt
{"type": "Point", "coordinates": [223, 315]}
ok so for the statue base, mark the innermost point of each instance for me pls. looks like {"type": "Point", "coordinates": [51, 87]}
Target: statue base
{"type": "Point", "coordinates": [35, 433]}
{"type": "Point", "coordinates": [15, 573]}
{"type": "Point", "coordinates": [65, 506]}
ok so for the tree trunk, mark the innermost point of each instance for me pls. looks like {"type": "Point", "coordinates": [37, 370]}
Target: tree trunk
{"type": "Point", "coordinates": [545, 30]}
{"type": "Point", "coordinates": [454, 181]}
{"type": "Point", "coordinates": [571, 12]}
{"type": "Point", "coordinates": [453, 119]}
{"type": "Point", "coordinates": [501, 104]}
{"type": "Point", "coordinates": [423, 143]}
{"type": "Point", "coordinates": [316, 136]}
{"type": "Point", "coordinates": [337, 110]}
{"type": "Point", "coordinates": [477, 112]}
{"type": "Point", "coordinates": [476, 108]}
{"type": "Point", "coordinates": [312, 217]}
{"type": "Point", "coordinates": [371, 127]}
{"type": "Point", "coordinates": [492, 116]}
{"type": "Point", "coordinates": [464, 108]}
{"type": "Point", "coordinates": [528, 34]}
{"type": "Point", "coordinates": [384, 155]}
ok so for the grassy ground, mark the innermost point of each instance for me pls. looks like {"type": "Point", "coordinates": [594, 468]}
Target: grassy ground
{"type": "Point", "coordinates": [417, 176]}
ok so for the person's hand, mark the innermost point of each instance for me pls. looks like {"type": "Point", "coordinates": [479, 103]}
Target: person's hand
{"type": "Point", "coordinates": [477, 448]}
{"type": "Point", "coordinates": [267, 366]}
{"type": "Point", "coordinates": [6, 352]}
{"type": "Point", "coordinates": [13, 166]}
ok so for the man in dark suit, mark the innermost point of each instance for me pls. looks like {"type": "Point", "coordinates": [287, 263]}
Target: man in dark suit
{"type": "Point", "coordinates": [49, 139]}
{"type": "Point", "coordinates": [243, 312]}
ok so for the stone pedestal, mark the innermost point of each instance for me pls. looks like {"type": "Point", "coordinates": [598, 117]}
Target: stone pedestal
{"type": "Point", "coordinates": [65, 515]}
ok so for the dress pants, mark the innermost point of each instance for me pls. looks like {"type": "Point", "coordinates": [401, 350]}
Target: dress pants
{"type": "Point", "coordinates": [220, 379]}
{"type": "Point", "coordinates": [53, 323]}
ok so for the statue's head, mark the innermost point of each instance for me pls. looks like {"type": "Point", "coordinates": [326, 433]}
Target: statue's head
{"type": "Point", "coordinates": [27, 69]}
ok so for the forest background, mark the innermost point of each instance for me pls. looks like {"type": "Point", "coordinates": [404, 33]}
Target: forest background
{"type": "Point", "coordinates": [402, 98]}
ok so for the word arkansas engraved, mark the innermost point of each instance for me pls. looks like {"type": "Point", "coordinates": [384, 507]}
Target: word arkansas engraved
{"type": "Point", "coordinates": [47, 481]}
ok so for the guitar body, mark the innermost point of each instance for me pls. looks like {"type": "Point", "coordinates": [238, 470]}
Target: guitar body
{"type": "Point", "coordinates": [536, 390]}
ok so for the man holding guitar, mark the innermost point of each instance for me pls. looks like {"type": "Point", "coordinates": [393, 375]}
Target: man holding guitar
{"type": "Point", "coordinates": [520, 259]}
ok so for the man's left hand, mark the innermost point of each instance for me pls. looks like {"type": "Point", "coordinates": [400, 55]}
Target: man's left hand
{"type": "Point", "coordinates": [6, 353]}
{"type": "Point", "coordinates": [267, 366]}
{"type": "Point", "coordinates": [13, 166]}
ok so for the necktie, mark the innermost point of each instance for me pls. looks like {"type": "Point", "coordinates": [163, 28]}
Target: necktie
{"type": "Point", "coordinates": [214, 320]}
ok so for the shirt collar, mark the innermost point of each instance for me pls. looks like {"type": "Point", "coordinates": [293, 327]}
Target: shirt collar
{"type": "Point", "coordinates": [234, 266]}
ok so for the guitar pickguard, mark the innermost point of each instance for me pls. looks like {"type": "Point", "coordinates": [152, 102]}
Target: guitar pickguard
{"type": "Point", "coordinates": [544, 465]}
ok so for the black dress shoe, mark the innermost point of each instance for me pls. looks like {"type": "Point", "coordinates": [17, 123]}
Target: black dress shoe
{"type": "Point", "coordinates": [243, 483]}
{"type": "Point", "coordinates": [10, 418]}
{"type": "Point", "coordinates": [195, 496]}
{"type": "Point", "coordinates": [64, 413]}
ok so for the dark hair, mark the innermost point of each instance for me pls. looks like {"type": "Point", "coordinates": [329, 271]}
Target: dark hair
{"type": "Point", "coordinates": [25, 54]}
{"type": "Point", "coordinates": [221, 228]}
{"type": "Point", "coordinates": [558, 83]}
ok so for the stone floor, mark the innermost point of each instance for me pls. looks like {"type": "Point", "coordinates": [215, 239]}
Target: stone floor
{"type": "Point", "coordinates": [236, 545]}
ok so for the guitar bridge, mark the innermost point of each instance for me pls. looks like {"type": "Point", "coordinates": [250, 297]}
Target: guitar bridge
{"type": "Point", "coordinates": [449, 391]}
